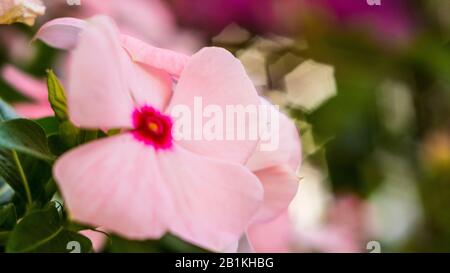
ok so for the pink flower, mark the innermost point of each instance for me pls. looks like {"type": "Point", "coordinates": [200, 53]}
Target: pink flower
{"type": "Point", "coordinates": [143, 183]}
{"type": "Point", "coordinates": [98, 238]}
{"type": "Point", "coordinates": [273, 236]}
{"type": "Point", "coordinates": [150, 20]}
{"type": "Point", "coordinates": [277, 172]}
{"type": "Point", "coordinates": [30, 87]}
{"type": "Point", "coordinates": [344, 231]}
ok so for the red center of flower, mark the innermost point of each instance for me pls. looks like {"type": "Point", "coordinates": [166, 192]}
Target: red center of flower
{"type": "Point", "coordinates": [152, 127]}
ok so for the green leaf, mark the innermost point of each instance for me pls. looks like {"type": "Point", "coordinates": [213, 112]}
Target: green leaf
{"type": "Point", "coordinates": [57, 145]}
{"type": "Point", "coordinates": [122, 245]}
{"type": "Point", "coordinates": [8, 217]}
{"type": "Point", "coordinates": [49, 190]}
{"type": "Point", "coordinates": [6, 112]}
{"type": "Point", "coordinates": [6, 193]}
{"type": "Point", "coordinates": [26, 137]}
{"type": "Point", "coordinates": [56, 96]}
{"type": "Point", "coordinates": [44, 231]}
{"type": "Point", "coordinates": [22, 144]}
{"type": "Point", "coordinates": [26, 175]}
{"type": "Point", "coordinates": [49, 124]}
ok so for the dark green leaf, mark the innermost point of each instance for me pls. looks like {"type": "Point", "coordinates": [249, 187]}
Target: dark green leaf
{"type": "Point", "coordinates": [122, 245]}
{"type": "Point", "coordinates": [49, 124]}
{"type": "Point", "coordinates": [57, 145]}
{"type": "Point", "coordinates": [21, 206]}
{"type": "Point", "coordinates": [21, 142]}
{"type": "Point", "coordinates": [56, 96]}
{"type": "Point", "coordinates": [8, 217]}
{"type": "Point", "coordinates": [50, 188]}
{"type": "Point", "coordinates": [6, 113]}
{"type": "Point", "coordinates": [43, 231]}
{"type": "Point", "coordinates": [27, 176]}
{"type": "Point", "coordinates": [26, 137]}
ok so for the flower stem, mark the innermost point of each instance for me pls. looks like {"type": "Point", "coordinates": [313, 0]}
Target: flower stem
{"type": "Point", "coordinates": [23, 177]}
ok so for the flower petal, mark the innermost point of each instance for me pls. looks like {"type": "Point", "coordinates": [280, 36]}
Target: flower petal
{"type": "Point", "coordinates": [105, 86]}
{"type": "Point", "coordinates": [61, 33]}
{"type": "Point", "coordinates": [24, 83]}
{"type": "Point", "coordinates": [34, 111]}
{"type": "Point", "coordinates": [274, 236]}
{"type": "Point", "coordinates": [149, 86]}
{"type": "Point", "coordinates": [288, 151]}
{"type": "Point", "coordinates": [214, 200]}
{"type": "Point", "coordinates": [98, 239]}
{"type": "Point", "coordinates": [217, 78]}
{"type": "Point", "coordinates": [280, 186]}
{"type": "Point", "coordinates": [98, 95]}
{"type": "Point", "coordinates": [160, 58]}
{"type": "Point", "coordinates": [114, 183]}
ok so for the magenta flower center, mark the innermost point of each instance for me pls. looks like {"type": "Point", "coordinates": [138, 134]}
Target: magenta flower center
{"type": "Point", "coordinates": [152, 127]}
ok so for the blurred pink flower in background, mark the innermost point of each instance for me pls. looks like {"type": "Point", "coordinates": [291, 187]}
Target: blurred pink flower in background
{"type": "Point", "coordinates": [150, 20]}
{"type": "Point", "coordinates": [16, 45]}
{"type": "Point", "coordinates": [261, 16]}
{"type": "Point", "coordinates": [390, 21]}
{"type": "Point", "coordinates": [30, 87]}
{"type": "Point", "coordinates": [344, 230]}
{"type": "Point", "coordinates": [113, 80]}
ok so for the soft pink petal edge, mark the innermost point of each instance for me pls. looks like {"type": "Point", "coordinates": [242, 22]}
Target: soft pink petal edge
{"type": "Point", "coordinates": [166, 60]}
{"type": "Point", "coordinates": [61, 33]}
